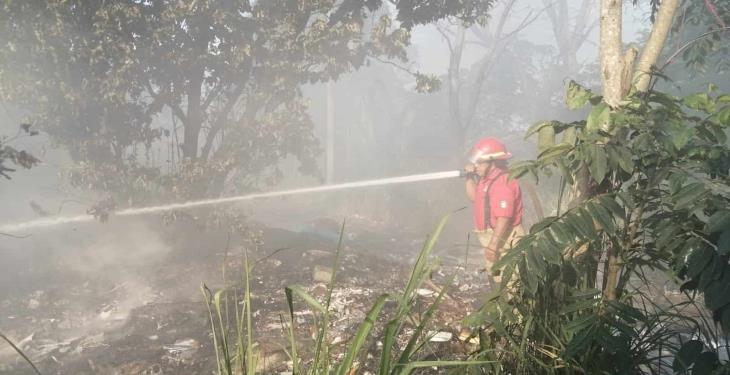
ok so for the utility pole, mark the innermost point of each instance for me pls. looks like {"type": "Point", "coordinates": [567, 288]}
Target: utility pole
{"type": "Point", "coordinates": [330, 133]}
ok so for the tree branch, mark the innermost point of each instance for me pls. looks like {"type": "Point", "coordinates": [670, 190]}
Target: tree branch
{"type": "Point", "coordinates": [212, 95]}
{"type": "Point", "coordinates": [220, 121]}
{"type": "Point", "coordinates": [688, 44]}
{"type": "Point", "coordinates": [655, 44]}
{"type": "Point", "coordinates": [713, 9]}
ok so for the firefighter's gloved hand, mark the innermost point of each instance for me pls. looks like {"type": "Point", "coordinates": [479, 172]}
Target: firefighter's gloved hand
{"type": "Point", "coordinates": [469, 171]}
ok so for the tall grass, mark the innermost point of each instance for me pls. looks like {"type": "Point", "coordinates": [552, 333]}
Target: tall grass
{"type": "Point", "coordinates": [393, 361]}
{"type": "Point", "coordinates": [238, 357]}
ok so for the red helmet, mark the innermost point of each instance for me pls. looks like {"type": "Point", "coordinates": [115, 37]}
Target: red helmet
{"type": "Point", "coordinates": [488, 149]}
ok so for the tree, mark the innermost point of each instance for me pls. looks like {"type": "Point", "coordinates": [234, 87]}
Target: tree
{"type": "Point", "coordinates": [9, 154]}
{"type": "Point", "coordinates": [652, 171]}
{"type": "Point", "coordinates": [228, 73]}
{"type": "Point", "coordinates": [467, 88]}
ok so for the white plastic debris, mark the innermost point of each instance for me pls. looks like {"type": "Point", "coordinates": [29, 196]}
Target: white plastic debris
{"type": "Point", "coordinates": [182, 346]}
{"type": "Point", "coordinates": [425, 292]}
{"type": "Point", "coordinates": [33, 304]}
{"type": "Point", "coordinates": [442, 336]}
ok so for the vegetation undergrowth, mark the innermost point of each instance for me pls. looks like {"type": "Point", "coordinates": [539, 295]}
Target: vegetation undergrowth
{"type": "Point", "coordinates": [582, 293]}
{"type": "Point", "coordinates": [235, 345]}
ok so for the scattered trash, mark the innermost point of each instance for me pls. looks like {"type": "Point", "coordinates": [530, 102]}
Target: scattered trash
{"type": "Point", "coordinates": [35, 299]}
{"type": "Point", "coordinates": [182, 346]}
{"type": "Point", "coordinates": [467, 335]}
{"type": "Point", "coordinates": [425, 292]}
{"type": "Point", "coordinates": [318, 253]}
{"type": "Point", "coordinates": [46, 347]}
{"type": "Point", "coordinates": [322, 274]}
{"type": "Point", "coordinates": [24, 342]}
{"type": "Point", "coordinates": [442, 336]}
{"type": "Point", "coordinates": [33, 304]}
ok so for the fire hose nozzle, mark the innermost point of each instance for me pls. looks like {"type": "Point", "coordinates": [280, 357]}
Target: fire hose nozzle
{"type": "Point", "coordinates": [466, 174]}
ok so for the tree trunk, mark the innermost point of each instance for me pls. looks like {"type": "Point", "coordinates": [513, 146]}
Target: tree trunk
{"type": "Point", "coordinates": [611, 55]}
{"type": "Point", "coordinates": [615, 73]}
{"type": "Point", "coordinates": [194, 119]}
{"type": "Point", "coordinates": [612, 77]}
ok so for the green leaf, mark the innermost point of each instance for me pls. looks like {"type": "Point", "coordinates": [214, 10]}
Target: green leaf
{"type": "Point", "coordinates": [689, 194]}
{"type": "Point", "coordinates": [717, 294]}
{"type": "Point", "coordinates": [598, 162]}
{"type": "Point", "coordinates": [577, 96]}
{"type": "Point", "coordinates": [711, 273]}
{"type": "Point", "coordinates": [613, 206]}
{"type": "Point", "coordinates": [720, 220]}
{"type": "Point", "coordinates": [407, 369]}
{"type": "Point", "coordinates": [519, 169]}
{"type": "Point", "coordinates": [667, 235]}
{"type": "Point", "coordinates": [586, 223]}
{"type": "Point", "coordinates": [599, 118]}
{"type": "Point", "coordinates": [542, 224]}
{"type": "Point", "coordinates": [725, 320]}
{"type": "Point", "coordinates": [554, 152]}
{"type": "Point", "coordinates": [567, 174]}
{"type": "Point", "coordinates": [535, 262]}
{"type": "Point", "coordinates": [723, 243]}
{"type": "Point", "coordinates": [581, 323]}
{"type": "Point", "coordinates": [626, 312]}
{"type": "Point", "coordinates": [582, 340]}
{"type": "Point", "coordinates": [551, 255]}
{"type": "Point", "coordinates": [579, 306]}
{"type": "Point", "coordinates": [601, 215]}
{"type": "Point", "coordinates": [356, 344]}
{"type": "Point", "coordinates": [680, 135]}
{"type": "Point", "coordinates": [723, 116]}
{"type": "Point", "coordinates": [536, 127]}
{"type": "Point", "coordinates": [625, 159]}
{"type": "Point", "coordinates": [545, 138]}
{"type": "Point", "coordinates": [569, 136]}
{"type": "Point", "coordinates": [698, 261]}
{"type": "Point", "coordinates": [700, 101]}
{"type": "Point", "coordinates": [562, 233]}
{"type": "Point", "coordinates": [530, 278]}
{"type": "Point", "coordinates": [705, 364]}
{"type": "Point", "coordinates": [576, 222]}
{"type": "Point", "coordinates": [297, 290]}
{"type": "Point", "coordinates": [426, 83]}
{"type": "Point", "coordinates": [687, 355]}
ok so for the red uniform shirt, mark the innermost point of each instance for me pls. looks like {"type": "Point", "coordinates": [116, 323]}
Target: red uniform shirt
{"type": "Point", "coordinates": [504, 199]}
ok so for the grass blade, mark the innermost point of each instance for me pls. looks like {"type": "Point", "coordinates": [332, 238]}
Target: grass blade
{"type": "Point", "coordinates": [361, 335]}
{"type": "Point", "coordinates": [298, 290]}
{"type": "Point", "coordinates": [411, 346]}
{"type": "Point", "coordinates": [408, 368]}
{"type": "Point", "coordinates": [21, 353]}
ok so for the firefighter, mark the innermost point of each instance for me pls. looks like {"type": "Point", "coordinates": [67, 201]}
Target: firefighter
{"type": "Point", "coordinates": [497, 201]}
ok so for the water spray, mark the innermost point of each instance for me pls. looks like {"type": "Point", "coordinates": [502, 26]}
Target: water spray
{"type": "Point", "coordinates": [53, 221]}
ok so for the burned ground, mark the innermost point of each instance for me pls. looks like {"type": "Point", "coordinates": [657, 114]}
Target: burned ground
{"type": "Point", "coordinates": [152, 320]}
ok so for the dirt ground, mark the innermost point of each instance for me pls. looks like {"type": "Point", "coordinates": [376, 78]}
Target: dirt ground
{"type": "Point", "coordinates": [144, 314]}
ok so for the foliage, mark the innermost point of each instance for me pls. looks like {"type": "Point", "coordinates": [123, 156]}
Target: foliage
{"type": "Point", "coordinates": [234, 354]}
{"type": "Point", "coordinates": [708, 18]}
{"type": "Point", "coordinates": [659, 176]}
{"type": "Point", "coordinates": [17, 157]}
{"type": "Point", "coordinates": [106, 76]}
